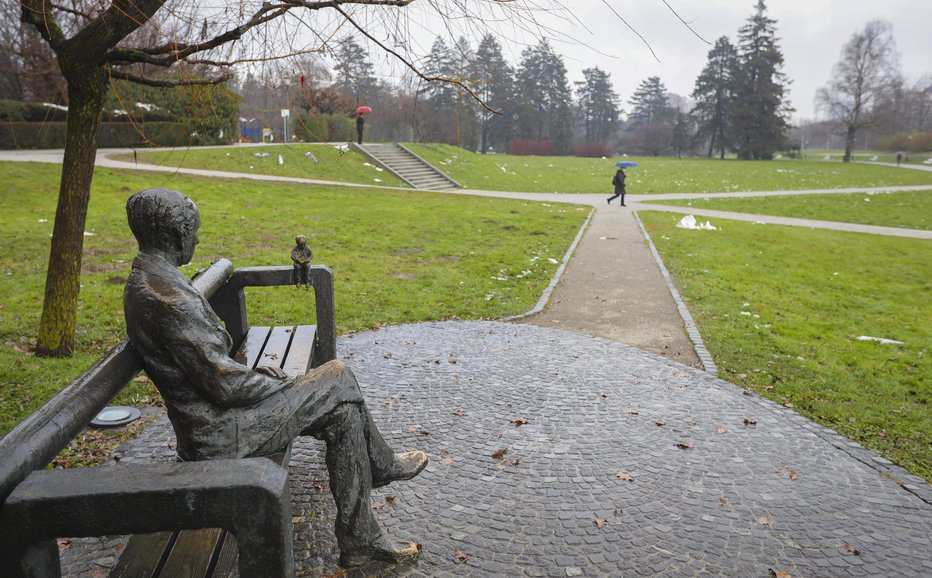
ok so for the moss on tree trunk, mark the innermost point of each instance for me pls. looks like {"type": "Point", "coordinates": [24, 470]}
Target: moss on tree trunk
{"type": "Point", "coordinates": [63, 281]}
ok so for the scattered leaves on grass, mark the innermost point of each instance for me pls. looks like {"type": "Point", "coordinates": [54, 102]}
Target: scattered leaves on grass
{"type": "Point", "coordinates": [748, 421]}
{"type": "Point", "coordinates": [778, 573]}
{"type": "Point", "coordinates": [630, 411]}
{"type": "Point", "coordinates": [518, 421]}
{"type": "Point", "coordinates": [460, 556]}
{"type": "Point", "coordinates": [763, 520]}
{"type": "Point", "coordinates": [499, 453]}
{"type": "Point", "coordinates": [600, 523]}
{"type": "Point", "coordinates": [684, 445]}
{"type": "Point", "coordinates": [786, 472]}
{"type": "Point", "coordinates": [852, 550]}
{"type": "Point", "coordinates": [661, 422]}
{"type": "Point", "coordinates": [624, 476]}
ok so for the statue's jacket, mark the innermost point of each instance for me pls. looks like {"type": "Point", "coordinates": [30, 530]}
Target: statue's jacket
{"type": "Point", "coordinates": [218, 407]}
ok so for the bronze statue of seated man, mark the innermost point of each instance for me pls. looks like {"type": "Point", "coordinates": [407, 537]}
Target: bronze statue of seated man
{"type": "Point", "coordinates": [222, 409]}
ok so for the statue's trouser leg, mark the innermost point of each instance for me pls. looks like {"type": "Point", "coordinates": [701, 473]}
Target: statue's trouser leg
{"type": "Point", "coordinates": [350, 476]}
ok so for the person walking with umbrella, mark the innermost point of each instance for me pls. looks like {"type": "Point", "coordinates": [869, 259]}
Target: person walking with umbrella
{"type": "Point", "coordinates": [360, 122]}
{"type": "Point", "coordinates": [619, 181]}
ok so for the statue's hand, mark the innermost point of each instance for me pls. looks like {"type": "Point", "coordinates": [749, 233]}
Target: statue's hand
{"type": "Point", "coordinates": [272, 372]}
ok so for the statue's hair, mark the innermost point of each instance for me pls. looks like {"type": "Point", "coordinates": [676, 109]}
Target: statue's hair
{"type": "Point", "coordinates": [159, 217]}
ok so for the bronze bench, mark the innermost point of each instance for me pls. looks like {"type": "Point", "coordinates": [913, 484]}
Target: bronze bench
{"type": "Point", "coordinates": [208, 518]}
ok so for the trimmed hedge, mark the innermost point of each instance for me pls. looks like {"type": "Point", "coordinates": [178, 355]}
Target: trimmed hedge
{"type": "Point", "coordinates": [324, 128]}
{"type": "Point", "coordinates": [51, 135]}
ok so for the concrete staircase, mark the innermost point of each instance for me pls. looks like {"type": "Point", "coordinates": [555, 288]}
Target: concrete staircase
{"type": "Point", "coordinates": [408, 167]}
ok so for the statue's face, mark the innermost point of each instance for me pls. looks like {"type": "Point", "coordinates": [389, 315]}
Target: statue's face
{"type": "Point", "coordinates": [301, 241]}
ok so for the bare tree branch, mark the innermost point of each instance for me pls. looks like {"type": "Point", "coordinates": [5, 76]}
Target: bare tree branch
{"type": "Point", "coordinates": [686, 24]}
{"type": "Point", "coordinates": [39, 14]}
{"type": "Point", "coordinates": [168, 82]}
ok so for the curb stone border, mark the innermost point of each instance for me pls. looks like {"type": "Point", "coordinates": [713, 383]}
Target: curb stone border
{"type": "Point", "coordinates": [545, 296]}
{"type": "Point", "coordinates": [691, 328]}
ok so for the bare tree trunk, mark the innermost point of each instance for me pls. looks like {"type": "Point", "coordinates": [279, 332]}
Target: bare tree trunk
{"type": "Point", "coordinates": [849, 144]}
{"type": "Point", "coordinates": [63, 281]}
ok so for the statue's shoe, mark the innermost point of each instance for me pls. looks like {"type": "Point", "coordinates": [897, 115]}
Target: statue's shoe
{"type": "Point", "coordinates": [395, 552]}
{"type": "Point", "coordinates": [406, 466]}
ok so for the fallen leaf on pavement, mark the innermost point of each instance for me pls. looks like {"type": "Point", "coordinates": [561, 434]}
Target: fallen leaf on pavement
{"type": "Point", "coordinates": [630, 411]}
{"type": "Point", "coordinates": [851, 549]}
{"type": "Point", "coordinates": [459, 412]}
{"type": "Point", "coordinates": [720, 429]}
{"type": "Point", "coordinates": [518, 421]}
{"type": "Point", "coordinates": [500, 453]}
{"type": "Point", "coordinates": [749, 421]}
{"type": "Point", "coordinates": [684, 445]}
{"type": "Point", "coordinates": [722, 502]}
{"type": "Point", "coordinates": [786, 472]}
{"type": "Point", "coordinates": [460, 555]}
{"type": "Point", "coordinates": [624, 476]}
{"type": "Point", "coordinates": [600, 523]}
{"type": "Point", "coordinates": [778, 573]}
{"type": "Point", "coordinates": [763, 520]}
{"type": "Point", "coordinates": [661, 422]}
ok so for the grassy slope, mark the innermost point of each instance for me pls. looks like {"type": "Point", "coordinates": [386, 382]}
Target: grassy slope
{"type": "Point", "coordinates": [656, 175]}
{"type": "Point", "coordinates": [332, 165]}
{"type": "Point", "coordinates": [812, 305]}
{"type": "Point", "coordinates": [909, 209]}
{"type": "Point", "coordinates": [398, 256]}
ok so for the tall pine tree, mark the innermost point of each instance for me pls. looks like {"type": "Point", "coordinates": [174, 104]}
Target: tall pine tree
{"type": "Point", "coordinates": [597, 106]}
{"type": "Point", "coordinates": [544, 98]}
{"type": "Point", "coordinates": [354, 72]}
{"type": "Point", "coordinates": [714, 95]}
{"type": "Point", "coordinates": [758, 120]}
{"type": "Point", "coordinates": [649, 103]}
{"type": "Point", "coordinates": [495, 80]}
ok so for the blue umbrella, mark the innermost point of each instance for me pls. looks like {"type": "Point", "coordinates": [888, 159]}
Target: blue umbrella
{"type": "Point", "coordinates": [625, 164]}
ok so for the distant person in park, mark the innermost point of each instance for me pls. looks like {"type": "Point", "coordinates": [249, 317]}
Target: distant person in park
{"type": "Point", "coordinates": [899, 157]}
{"type": "Point", "coordinates": [619, 181]}
{"type": "Point", "coordinates": [360, 123]}
{"type": "Point", "coordinates": [222, 409]}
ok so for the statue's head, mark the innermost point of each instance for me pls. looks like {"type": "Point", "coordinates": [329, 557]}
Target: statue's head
{"type": "Point", "coordinates": [300, 240]}
{"type": "Point", "coordinates": [166, 222]}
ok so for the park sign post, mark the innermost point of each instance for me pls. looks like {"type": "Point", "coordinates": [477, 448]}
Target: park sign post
{"type": "Point", "coordinates": [285, 114]}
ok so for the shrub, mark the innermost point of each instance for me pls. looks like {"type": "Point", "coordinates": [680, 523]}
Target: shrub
{"type": "Point", "coordinates": [324, 128]}
{"type": "Point", "coordinates": [45, 135]}
{"type": "Point", "coordinates": [532, 147]}
{"type": "Point", "coordinates": [917, 142]}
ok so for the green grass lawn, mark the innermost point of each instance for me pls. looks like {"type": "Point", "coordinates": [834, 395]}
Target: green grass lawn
{"type": "Point", "coordinates": [332, 165]}
{"type": "Point", "coordinates": [655, 174]}
{"type": "Point", "coordinates": [397, 257]}
{"type": "Point", "coordinates": [781, 310]}
{"type": "Point", "coordinates": [908, 209]}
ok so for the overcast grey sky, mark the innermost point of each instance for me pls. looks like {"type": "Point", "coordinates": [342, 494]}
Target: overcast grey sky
{"type": "Point", "coordinates": [811, 33]}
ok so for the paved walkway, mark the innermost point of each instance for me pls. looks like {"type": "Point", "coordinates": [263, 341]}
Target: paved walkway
{"type": "Point", "coordinates": [628, 465]}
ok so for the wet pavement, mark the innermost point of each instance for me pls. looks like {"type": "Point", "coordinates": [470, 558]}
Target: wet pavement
{"type": "Point", "coordinates": [559, 454]}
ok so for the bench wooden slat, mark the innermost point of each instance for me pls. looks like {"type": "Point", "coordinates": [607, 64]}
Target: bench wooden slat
{"type": "Point", "coordinates": [228, 558]}
{"type": "Point", "coordinates": [276, 347]}
{"type": "Point", "coordinates": [193, 553]}
{"type": "Point", "coordinates": [143, 555]}
{"type": "Point", "coordinates": [249, 352]}
{"type": "Point", "coordinates": [301, 351]}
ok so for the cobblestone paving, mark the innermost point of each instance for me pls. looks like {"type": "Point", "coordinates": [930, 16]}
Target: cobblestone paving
{"type": "Point", "coordinates": [628, 464]}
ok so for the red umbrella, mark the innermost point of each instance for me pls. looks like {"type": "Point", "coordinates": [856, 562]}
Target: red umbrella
{"type": "Point", "coordinates": [363, 110]}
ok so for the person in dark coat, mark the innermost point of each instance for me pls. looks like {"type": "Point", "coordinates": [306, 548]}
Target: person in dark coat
{"type": "Point", "coordinates": [360, 122]}
{"type": "Point", "coordinates": [619, 182]}
{"type": "Point", "coordinates": [222, 409]}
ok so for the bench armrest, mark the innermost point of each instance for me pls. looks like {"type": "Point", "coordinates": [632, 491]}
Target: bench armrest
{"type": "Point", "coordinates": [230, 303]}
{"type": "Point", "coordinates": [247, 497]}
